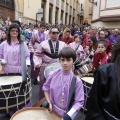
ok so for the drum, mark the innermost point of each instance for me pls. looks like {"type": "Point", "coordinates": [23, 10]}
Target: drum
{"type": "Point", "coordinates": [35, 113]}
{"type": "Point", "coordinates": [51, 68]}
{"type": "Point", "coordinates": [14, 93]}
{"type": "Point", "coordinates": [87, 83]}
{"type": "Point", "coordinates": [86, 68]}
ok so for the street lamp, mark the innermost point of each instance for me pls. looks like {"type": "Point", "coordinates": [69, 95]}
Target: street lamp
{"type": "Point", "coordinates": [94, 3]}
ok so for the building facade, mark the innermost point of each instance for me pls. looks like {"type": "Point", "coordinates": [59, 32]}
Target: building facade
{"type": "Point", "coordinates": [88, 10]}
{"type": "Point", "coordinates": [54, 11]}
{"type": "Point", "coordinates": [106, 13]}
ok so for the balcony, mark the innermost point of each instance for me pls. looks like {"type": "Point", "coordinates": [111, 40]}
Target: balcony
{"type": "Point", "coordinates": [81, 13]}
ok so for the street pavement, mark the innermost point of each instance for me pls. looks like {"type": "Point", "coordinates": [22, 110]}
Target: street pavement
{"type": "Point", "coordinates": [35, 98]}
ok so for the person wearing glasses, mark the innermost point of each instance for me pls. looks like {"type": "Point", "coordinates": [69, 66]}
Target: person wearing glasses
{"type": "Point", "coordinates": [10, 53]}
{"type": "Point", "coordinates": [67, 36]}
{"type": "Point", "coordinates": [46, 53]}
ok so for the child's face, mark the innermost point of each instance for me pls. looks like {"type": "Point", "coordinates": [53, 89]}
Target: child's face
{"type": "Point", "coordinates": [77, 39]}
{"type": "Point", "coordinates": [66, 64]}
{"type": "Point", "coordinates": [101, 48]}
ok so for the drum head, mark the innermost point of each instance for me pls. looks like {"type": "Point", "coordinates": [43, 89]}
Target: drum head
{"type": "Point", "coordinates": [10, 80]}
{"type": "Point", "coordinates": [87, 79]}
{"type": "Point", "coordinates": [35, 113]}
{"type": "Point", "coordinates": [51, 68]}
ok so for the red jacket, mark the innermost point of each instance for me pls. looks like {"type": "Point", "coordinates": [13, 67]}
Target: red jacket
{"type": "Point", "coordinates": [67, 40]}
{"type": "Point", "coordinates": [85, 40]}
{"type": "Point", "coordinates": [99, 59]}
{"type": "Point", "coordinates": [109, 46]}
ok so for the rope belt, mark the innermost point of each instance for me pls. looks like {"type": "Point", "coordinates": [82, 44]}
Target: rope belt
{"type": "Point", "coordinates": [59, 108]}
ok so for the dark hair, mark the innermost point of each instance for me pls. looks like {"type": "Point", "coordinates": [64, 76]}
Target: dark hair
{"type": "Point", "coordinates": [14, 25]}
{"type": "Point", "coordinates": [67, 52]}
{"type": "Point", "coordinates": [102, 42]}
{"type": "Point", "coordinates": [76, 36]}
{"type": "Point", "coordinates": [116, 61]}
{"type": "Point", "coordinates": [95, 42]}
{"type": "Point", "coordinates": [43, 25]}
{"type": "Point", "coordinates": [17, 22]}
{"type": "Point", "coordinates": [100, 32]}
{"type": "Point", "coordinates": [53, 28]}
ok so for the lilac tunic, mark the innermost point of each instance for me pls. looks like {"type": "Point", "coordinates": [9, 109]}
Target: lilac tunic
{"type": "Point", "coordinates": [36, 39]}
{"type": "Point", "coordinates": [53, 86]}
{"type": "Point", "coordinates": [11, 54]}
{"type": "Point", "coordinates": [80, 52]}
{"type": "Point", "coordinates": [113, 38]}
{"type": "Point", "coordinates": [40, 58]}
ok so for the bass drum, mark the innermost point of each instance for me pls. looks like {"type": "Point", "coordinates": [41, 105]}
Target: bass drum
{"type": "Point", "coordinates": [51, 68]}
{"type": "Point", "coordinates": [35, 113]}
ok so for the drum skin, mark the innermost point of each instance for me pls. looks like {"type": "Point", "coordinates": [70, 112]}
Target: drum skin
{"type": "Point", "coordinates": [15, 96]}
{"type": "Point", "coordinates": [51, 68]}
{"type": "Point", "coordinates": [35, 113]}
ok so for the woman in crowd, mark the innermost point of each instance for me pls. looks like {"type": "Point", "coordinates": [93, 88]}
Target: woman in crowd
{"type": "Point", "coordinates": [76, 45]}
{"type": "Point", "coordinates": [67, 36]}
{"type": "Point", "coordinates": [91, 48]}
{"type": "Point", "coordinates": [85, 38]}
{"type": "Point", "coordinates": [10, 52]}
{"type": "Point", "coordinates": [3, 36]}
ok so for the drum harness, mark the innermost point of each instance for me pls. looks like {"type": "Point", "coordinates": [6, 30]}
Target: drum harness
{"type": "Point", "coordinates": [53, 54]}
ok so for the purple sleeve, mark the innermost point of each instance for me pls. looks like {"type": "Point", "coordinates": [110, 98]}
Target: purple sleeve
{"type": "Point", "coordinates": [46, 86]}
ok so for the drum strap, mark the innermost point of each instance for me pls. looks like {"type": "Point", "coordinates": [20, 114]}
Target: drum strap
{"type": "Point", "coordinates": [23, 62]}
{"type": "Point", "coordinates": [71, 94]}
{"type": "Point", "coordinates": [77, 47]}
{"type": "Point", "coordinates": [53, 54]}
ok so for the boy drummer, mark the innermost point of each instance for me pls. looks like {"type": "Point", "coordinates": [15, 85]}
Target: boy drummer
{"type": "Point", "coordinates": [56, 88]}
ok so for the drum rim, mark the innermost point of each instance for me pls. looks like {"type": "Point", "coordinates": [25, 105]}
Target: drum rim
{"type": "Point", "coordinates": [10, 74]}
{"type": "Point", "coordinates": [48, 65]}
{"type": "Point", "coordinates": [33, 108]}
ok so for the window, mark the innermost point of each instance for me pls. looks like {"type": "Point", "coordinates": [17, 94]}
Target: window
{"type": "Point", "coordinates": [7, 3]}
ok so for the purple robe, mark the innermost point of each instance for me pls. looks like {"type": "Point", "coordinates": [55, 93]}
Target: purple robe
{"type": "Point", "coordinates": [113, 38]}
{"type": "Point", "coordinates": [11, 54]}
{"type": "Point", "coordinates": [53, 86]}
{"type": "Point", "coordinates": [80, 52]}
{"type": "Point", "coordinates": [42, 59]}
{"type": "Point", "coordinates": [34, 43]}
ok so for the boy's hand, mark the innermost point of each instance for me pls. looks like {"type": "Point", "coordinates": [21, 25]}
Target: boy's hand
{"type": "Point", "coordinates": [38, 66]}
{"type": "Point", "coordinates": [50, 107]}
